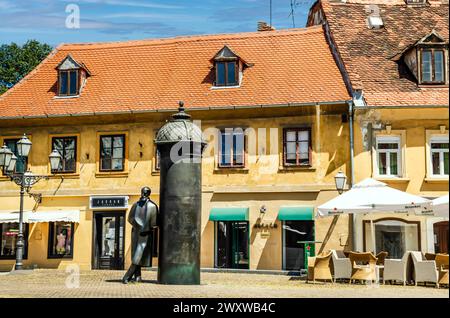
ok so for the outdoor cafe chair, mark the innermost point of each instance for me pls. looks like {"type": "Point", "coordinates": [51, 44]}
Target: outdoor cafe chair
{"type": "Point", "coordinates": [363, 266]}
{"type": "Point", "coordinates": [396, 269]}
{"type": "Point", "coordinates": [319, 268]}
{"type": "Point", "coordinates": [424, 270]}
{"type": "Point", "coordinates": [342, 268]}
{"type": "Point", "coordinates": [442, 267]}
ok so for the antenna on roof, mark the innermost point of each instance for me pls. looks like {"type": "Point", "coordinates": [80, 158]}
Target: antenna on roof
{"type": "Point", "coordinates": [270, 13]}
{"type": "Point", "coordinates": [292, 14]}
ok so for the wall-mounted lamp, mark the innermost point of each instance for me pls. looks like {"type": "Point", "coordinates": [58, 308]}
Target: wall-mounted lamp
{"type": "Point", "coordinates": [87, 155]}
{"type": "Point", "coordinates": [263, 209]}
{"type": "Point", "coordinates": [442, 128]}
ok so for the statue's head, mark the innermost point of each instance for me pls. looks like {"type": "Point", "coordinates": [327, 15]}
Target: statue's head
{"type": "Point", "coordinates": [145, 192]}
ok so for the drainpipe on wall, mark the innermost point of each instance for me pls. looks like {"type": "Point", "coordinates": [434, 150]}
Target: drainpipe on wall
{"type": "Point", "coordinates": [352, 169]}
{"type": "Point", "coordinates": [352, 150]}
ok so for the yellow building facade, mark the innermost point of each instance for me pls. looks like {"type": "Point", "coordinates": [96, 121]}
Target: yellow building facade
{"type": "Point", "coordinates": [262, 182]}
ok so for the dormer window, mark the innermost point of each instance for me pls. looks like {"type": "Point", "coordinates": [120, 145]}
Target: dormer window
{"type": "Point", "coordinates": [432, 66]}
{"type": "Point", "coordinates": [71, 77]}
{"type": "Point", "coordinates": [228, 68]}
{"type": "Point", "coordinates": [427, 59]}
{"type": "Point", "coordinates": [68, 83]}
{"type": "Point", "coordinates": [226, 73]}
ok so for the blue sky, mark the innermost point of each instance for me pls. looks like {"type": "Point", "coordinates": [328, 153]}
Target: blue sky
{"type": "Point", "coordinates": [119, 20]}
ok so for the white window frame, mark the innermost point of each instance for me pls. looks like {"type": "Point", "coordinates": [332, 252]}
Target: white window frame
{"type": "Point", "coordinates": [435, 135]}
{"type": "Point", "coordinates": [389, 139]}
{"type": "Point", "coordinates": [438, 139]}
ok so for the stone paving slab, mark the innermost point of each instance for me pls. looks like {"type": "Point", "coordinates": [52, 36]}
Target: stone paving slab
{"type": "Point", "coordinates": [95, 284]}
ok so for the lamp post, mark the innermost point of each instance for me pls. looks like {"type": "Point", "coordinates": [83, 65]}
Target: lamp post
{"type": "Point", "coordinates": [25, 180]}
{"type": "Point", "coordinates": [340, 180]}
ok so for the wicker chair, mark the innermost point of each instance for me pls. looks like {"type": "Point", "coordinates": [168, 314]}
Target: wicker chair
{"type": "Point", "coordinates": [442, 266]}
{"type": "Point", "coordinates": [381, 258]}
{"type": "Point", "coordinates": [342, 268]}
{"type": "Point", "coordinates": [319, 268]}
{"type": "Point", "coordinates": [363, 266]}
{"type": "Point", "coordinates": [424, 270]}
{"type": "Point", "coordinates": [396, 269]}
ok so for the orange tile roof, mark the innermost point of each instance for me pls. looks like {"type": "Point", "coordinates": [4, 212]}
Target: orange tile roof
{"type": "Point", "coordinates": [289, 66]}
{"type": "Point", "coordinates": [367, 54]}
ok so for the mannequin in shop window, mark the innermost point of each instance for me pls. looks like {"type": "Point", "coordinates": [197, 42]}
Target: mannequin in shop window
{"type": "Point", "coordinates": [61, 242]}
{"type": "Point", "coordinates": [143, 217]}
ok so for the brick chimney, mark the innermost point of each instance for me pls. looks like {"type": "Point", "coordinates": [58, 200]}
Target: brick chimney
{"type": "Point", "coordinates": [263, 26]}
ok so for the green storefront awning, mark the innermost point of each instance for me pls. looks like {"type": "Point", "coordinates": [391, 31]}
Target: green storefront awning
{"type": "Point", "coordinates": [296, 213]}
{"type": "Point", "coordinates": [229, 214]}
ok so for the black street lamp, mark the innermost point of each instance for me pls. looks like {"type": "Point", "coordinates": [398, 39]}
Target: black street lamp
{"type": "Point", "coordinates": [25, 180]}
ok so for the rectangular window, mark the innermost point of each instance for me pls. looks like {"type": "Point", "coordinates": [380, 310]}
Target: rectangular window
{"type": "Point", "coordinates": [60, 239]}
{"type": "Point", "coordinates": [68, 83]}
{"type": "Point", "coordinates": [432, 66]}
{"type": "Point", "coordinates": [9, 233]}
{"type": "Point", "coordinates": [232, 148]}
{"type": "Point", "coordinates": [388, 156]}
{"type": "Point", "coordinates": [226, 73]}
{"type": "Point", "coordinates": [439, 156]}
{"type": "Point", "coordinates": [112, 153]}
{"type": "Point", "coordinates": [21, 166]}
{"type": "Point", "coordinates": [297, 147]}
{"type": "Point", "coordinates": [67, 148]}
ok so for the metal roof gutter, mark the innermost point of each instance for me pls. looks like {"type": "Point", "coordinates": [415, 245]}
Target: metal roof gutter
{"type": "Point", "coordinates": [170, 110]}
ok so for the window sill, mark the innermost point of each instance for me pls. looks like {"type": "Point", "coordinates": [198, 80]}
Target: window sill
{"type": "Point", "coordinates": [225, 87]}
{"type": "Point", "coordinates": [393, 179]}
{"type": "Point", "coordinates": [296, 168]}
{"type": "Point", "coordinates": [64, 176]}
{"type": "Point", "coordinates": [66, 97]}
{"type": "Point", "coordinates": [436, 180]}
{"type": "Point", "coordinates": [111, 175]}
{"type": "Point", "coordinates": [219, 170]}
{"type": "Point", "coordinates": [59, 257]}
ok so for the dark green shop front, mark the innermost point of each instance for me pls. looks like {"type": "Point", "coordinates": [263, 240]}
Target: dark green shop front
{"type": "Point", "coordinates": [298, 236]}
{"type": "Point", "coordinates": [232, 237]}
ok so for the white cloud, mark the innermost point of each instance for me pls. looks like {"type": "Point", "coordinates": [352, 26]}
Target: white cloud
{"type": "Point", "coordinates": [130, 3]}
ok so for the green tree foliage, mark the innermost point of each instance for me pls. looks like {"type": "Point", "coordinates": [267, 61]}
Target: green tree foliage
{"type": "Point", "coordinates": [17, 61]}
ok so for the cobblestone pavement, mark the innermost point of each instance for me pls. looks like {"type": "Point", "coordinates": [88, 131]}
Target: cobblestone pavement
{"type": "Point", "coordinates": [56, 284]}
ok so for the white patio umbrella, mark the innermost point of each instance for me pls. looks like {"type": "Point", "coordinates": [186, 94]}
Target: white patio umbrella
{"type": "Point", "coordinates": [440, 206]}
{"type": "Point", "coordinates": [372, 196]}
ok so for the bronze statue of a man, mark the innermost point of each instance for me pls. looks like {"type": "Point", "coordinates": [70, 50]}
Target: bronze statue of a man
{"type": "Point", "coordinates": [143, 218]}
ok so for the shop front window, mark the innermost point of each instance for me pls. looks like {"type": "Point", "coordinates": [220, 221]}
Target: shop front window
{"type": "Point", "coordinates": [393, 236]}
{"type": "Point", "coordinates": [60, 239]}
{"type": "Point", "coordinates": [9, 233]}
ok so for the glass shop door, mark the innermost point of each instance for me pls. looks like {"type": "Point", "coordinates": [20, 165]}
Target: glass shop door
{"type": "Point", "coordinates": [295, 233]}
{"type": "Point", "coordinates": [109, 234]}
{"type": "Point", "coordinates": [232, 244]}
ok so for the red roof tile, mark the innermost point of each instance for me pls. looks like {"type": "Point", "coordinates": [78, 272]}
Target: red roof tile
{"type": "Point", "coordinates": [290, 66]}
{"type": "Point", "coordinates": [367, 54]}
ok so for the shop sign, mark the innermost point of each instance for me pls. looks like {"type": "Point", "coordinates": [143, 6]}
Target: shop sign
{"type": "Point", "coordinates": [108, 202]}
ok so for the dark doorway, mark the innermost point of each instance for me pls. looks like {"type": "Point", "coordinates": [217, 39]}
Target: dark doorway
{"type": "Point", "coordinates": [295, 233]}
{"type": "Point", "coordinates": [232, 244]}
{"type": "Point", "coordinates": [109, 232]}
{"type": "Point", "coordinates": [392, 242]}
{"type": "Point", "coordinates": [441, 237]}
